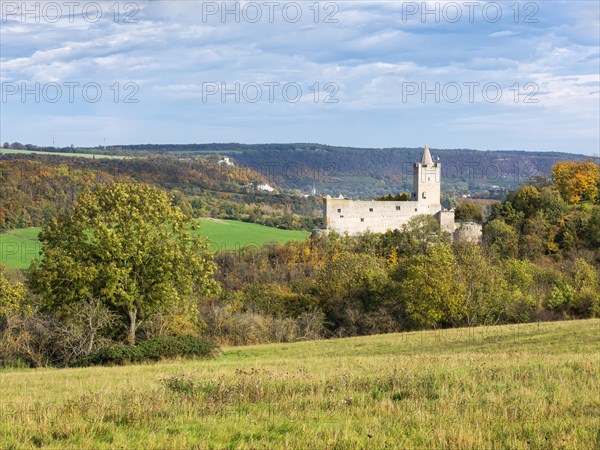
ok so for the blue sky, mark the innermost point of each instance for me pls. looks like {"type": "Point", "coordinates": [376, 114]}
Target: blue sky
{"type": "Point", "coordinates": [462, 77]}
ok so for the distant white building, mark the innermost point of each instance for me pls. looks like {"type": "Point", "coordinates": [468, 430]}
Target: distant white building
{"type": "Point", "coordinates": [265, 187]}
{"type": "Point", "coordinates": [225, 161]}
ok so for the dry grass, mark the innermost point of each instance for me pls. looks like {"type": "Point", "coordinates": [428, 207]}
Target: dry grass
{"type": "Point", "coordinates": [525, 386]}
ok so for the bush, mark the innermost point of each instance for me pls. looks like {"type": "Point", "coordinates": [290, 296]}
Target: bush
{"type": "Point", "coordinates": [155, 349]}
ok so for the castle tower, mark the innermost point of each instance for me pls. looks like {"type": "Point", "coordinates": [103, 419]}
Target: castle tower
{"type": "Point", "coordinates": [426, 180]}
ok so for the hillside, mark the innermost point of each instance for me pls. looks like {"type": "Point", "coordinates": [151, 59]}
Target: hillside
{"type": "Point", "coordinates": [35, 187]}
{"type": "Point", "coordinates": [518, 386]}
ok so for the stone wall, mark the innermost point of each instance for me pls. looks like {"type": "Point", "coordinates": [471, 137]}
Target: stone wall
{"type": "Point", "coordinates": [468, 232]}
{"type": "Point", "coordinates": [358, 216]}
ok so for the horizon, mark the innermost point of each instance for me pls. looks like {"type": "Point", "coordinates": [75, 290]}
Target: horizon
{"type": "Point", "coordinates": [433, 149]}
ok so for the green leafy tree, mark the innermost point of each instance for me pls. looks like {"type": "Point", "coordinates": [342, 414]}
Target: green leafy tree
{"type": "Point", "coordinates": [507, 213]}
{"type": "Point", "coordinates": [430, 288]}
{"type": "Point", "coordinates": [520, 302]}
{"type": "Point", "coordinates": [416, 236]}
{"type": "Point", "coordinates": [350, 286]}
{"type": "Point", "coordinates": [586, 299]}
{"type": "Point", "coordinates": [11, 295]}
{"type": "Point", "coordinates": [485, 286]}
{"type": "Point", "coordinates": [501, 238]}
{"type": "Point", "coordinates": [527, 200]}
{"type": "Point", "coordinates": [551, 203]}
{"type": "Point", "coordinates": [126, 245]}
{"type": "Point", "coordinates": [468, 212]}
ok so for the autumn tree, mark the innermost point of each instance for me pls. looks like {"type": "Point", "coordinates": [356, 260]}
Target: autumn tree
{"type": "Point", "coordinates": [127, 246]}
{"type": "Point", "coordinates": [577, 181]}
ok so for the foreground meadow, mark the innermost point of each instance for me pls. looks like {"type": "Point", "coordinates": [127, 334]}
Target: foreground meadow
{"type": "Point", "coordinates": [519, 386]}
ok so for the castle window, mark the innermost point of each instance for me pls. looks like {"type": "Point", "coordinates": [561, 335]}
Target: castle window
{"type": "Point", "coordinates": [341, 217]}
{"type": "Point", "coordinates": [428, 179]}
{"type": "Point", "coordinates": [362, 220]}
{"type": "Point", "coordinates": [370, 209]}
{"type": "Point", "coordinates": [339, 210]}
{"type": "Point", "coordinates": [415, 209]}
{"type": "Point", "coordinates": [397, 208]}
{"type": "Point", "coordinates": [424, 195]}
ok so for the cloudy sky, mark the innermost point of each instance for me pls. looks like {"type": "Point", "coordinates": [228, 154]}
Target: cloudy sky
{"type": "Point", "coordinates": [499, 75]}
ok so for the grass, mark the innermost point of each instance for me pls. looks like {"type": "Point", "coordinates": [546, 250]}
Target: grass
{"type": "Point", "coordinates": [19, 247]}
{"type": "Point", "coordinates": [525, 386]}
{"type": "Point", "coordinates": [228, 235]}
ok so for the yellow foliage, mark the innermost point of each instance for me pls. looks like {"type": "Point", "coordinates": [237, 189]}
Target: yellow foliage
{"type": "Point", "coordinates": [577, 181]}
{"type": "Point", "coordinates": [392, 260]}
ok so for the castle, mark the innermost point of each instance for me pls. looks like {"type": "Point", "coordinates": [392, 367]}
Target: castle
{"type": "Point", "coordinates": [357, 216]}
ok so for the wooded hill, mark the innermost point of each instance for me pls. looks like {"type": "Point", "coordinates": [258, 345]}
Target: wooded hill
{"type": "Point", "coordinates": [36, 187]}
{"type": "Point", "coordinates": [365, 172]}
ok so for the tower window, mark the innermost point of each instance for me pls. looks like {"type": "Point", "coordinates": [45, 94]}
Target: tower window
{"type": "Point", "coordinates": [370, 209]}
{"type": "Point", "coordinates": [415, 209]}
{"type": "Point", "coordinates": [362, 220]}
{"type": "Point", "coordinates": [339, 210]}
{"type": "Point", "coordinates": [424, 196]}
{"type": "Point", "coordinates": [428, 179]}
{"type": "Point", "coordinates": [397, 208]}
{"type": "Point", "coordinates": [341, 217]}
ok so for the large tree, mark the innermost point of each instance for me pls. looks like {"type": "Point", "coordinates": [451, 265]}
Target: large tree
{"type": "Point", "coordinates": [431, 289]}
{"type": "Point", "coordinates": [577, 181]}
{"type": "Point", "coordinates": [126, 245]}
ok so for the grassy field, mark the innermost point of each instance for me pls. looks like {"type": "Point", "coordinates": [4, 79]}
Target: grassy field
{"type": "Point", "coordinates": [38, 152]}
{"type": "Point", "coordinates": [18, 247]}
{"type": "Point", "coordinates": [228, 235]}
{"type": "Point", "coordinates": [522, 387]}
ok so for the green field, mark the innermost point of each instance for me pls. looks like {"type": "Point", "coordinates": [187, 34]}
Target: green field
{"type": "Point", "coordinates": [521, 386]}
{"type": "Point", "coordinates": [228, 235]}
{"type": "Point", "coordinates": [18, 247]}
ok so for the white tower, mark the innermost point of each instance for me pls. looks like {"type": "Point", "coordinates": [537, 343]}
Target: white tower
{"type": "Point", "coordinates": [426, 180]}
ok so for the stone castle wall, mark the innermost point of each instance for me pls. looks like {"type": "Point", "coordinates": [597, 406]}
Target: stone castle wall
{"type": "Point", "coordinates": [358, 216]}
{"type": "Point", "coordinates": [468, 232]}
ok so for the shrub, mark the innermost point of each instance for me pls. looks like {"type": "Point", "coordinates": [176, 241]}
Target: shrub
{"type": "Point", "coordinates": [155, 349]}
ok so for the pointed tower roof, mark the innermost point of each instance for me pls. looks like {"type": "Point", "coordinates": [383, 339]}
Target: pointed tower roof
{"type": "Point", "coordinates": [426, 159]}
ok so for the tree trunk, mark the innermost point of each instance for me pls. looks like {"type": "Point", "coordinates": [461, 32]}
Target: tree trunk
{"type": "Point", "coordinates": [132, 326]}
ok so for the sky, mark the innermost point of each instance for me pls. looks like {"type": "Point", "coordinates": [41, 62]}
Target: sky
{"type": "Point", "coordinates": [480, 75]}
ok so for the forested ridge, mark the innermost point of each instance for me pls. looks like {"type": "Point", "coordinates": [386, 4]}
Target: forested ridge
{"type": "Point", "coordinates": [34, 188]}
{"type": "Point", "coordinates": [363, 172]}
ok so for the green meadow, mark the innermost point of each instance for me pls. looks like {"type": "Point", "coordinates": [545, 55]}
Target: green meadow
{"type": "Point", "coordinates": [19, 247]}
{"type": "Point", "coordinates": [226, 235]}
{"type": "Point", "coordinates": [532, 386]}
